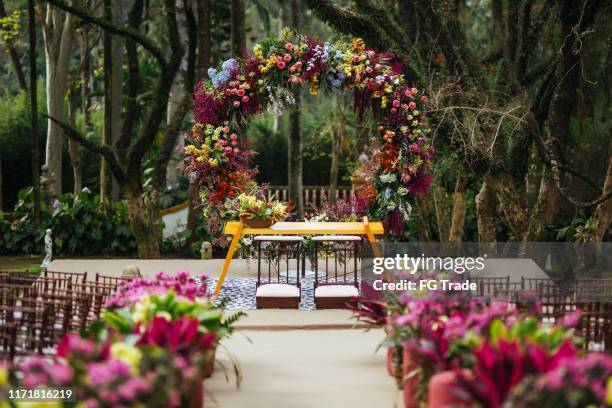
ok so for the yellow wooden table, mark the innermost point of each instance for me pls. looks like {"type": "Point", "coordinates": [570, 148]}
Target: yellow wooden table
{"type": "Point", "coordinates": [237, 229]}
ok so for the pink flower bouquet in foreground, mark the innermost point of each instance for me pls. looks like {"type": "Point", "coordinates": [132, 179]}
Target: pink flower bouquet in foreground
{"type": "Point", "coordinates": [451, 350]}
{"type": "Point", "coordinates": [153, 348]}
{"type": "Point", "coordinates": [107, 374]}
{"type": "Point", "coordinates": [181, 283]}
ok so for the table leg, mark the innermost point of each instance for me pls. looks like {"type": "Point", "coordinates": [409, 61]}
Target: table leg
{"type": "Point", "coordinates": [371, 238]}
{"type": "Point", "coordinates": [228, 259]}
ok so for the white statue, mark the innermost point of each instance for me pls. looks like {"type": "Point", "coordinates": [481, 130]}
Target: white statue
{"type": "Point", "coordinates": [206, 250]}
{"type": "Point", "coordinates": [130, 272]}
{"type": "Point", "coordinates": [48, 248]}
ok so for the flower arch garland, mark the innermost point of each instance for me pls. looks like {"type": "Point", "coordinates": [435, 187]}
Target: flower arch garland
{"type": "Point", "coordinates": [239, 89]}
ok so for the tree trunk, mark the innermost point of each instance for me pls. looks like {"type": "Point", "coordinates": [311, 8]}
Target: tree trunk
{"type": "Point", "coordinates": [146, 229]}
{"type": "Point", "coordinates": [117, 49]}
{"type": "Point", "coordinates": [238, 31]}
{"type": "Point", "coordinates": [603, 212]}
{"type": "Point", "coordinates": [336, 143]}
{"type": "Point", "coordinates": [10, 48]}
{"type": "Point", "coordinates": [1, 195]}
{"type": "Point", "coordinates": [423, 217]}
{"type": "Point", "coordinates": [107, 131]}
{"type": "Point", "coordinates": [204, 46]}
{"type": "Point", "coordinates": [204, 58]}
{"type": "Point", "coordinates": [486, 204]}
{"type": "Point", "coordinates": [459, 209]}
{"type": "Point", "coordinates": [58, 44]}
{"type": "Point", "coordinates": [34, 111]}
{"type": "Point", "coordinates": [295, 169]}
{"type": "Point", "coordinates": [113, 78]}
{"type": "Point", "coordinates": [439, 195]}
{"type": "Point", "coordinates": [543, 213]}
{"type": "Point", "coordinates": [73, 146]}
{"type": "Point", "coordinates": [85, 78]}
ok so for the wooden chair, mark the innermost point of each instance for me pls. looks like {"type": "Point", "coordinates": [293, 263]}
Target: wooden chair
{"type": "Point", "coordinates": [113, 281]}
{"type": "Point", "coordinates": [596, 325]}
{"type": "Point", "coordinates": [498, 287]}
{"type": "Point", "coordinates": [76, 278]}
{"type": "Point", "coordinates": [593, 290]}
{"type": "Point", "coordinates": [278, 289]}
{"type": "Point", "coordinates": [338, 283]}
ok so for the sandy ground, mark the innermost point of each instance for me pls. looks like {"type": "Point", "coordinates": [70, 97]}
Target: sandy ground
{"type": "Point", "coordinates": [239, 268]}
{"type": "Point", "coordinates": [303, 368]}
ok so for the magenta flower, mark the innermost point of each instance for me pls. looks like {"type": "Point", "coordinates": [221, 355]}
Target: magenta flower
{"type": "Point", "coordinates": [107, 372]}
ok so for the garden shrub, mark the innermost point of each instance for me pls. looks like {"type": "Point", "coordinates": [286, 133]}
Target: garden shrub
{"type": "Point", "coordinates": [82, 224]}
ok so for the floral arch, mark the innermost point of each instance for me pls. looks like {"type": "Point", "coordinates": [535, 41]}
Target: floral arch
{"type": "Point", "coordinates": [239, 89]}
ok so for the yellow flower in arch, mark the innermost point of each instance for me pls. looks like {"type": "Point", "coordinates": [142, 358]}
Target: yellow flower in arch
{"type": "Point", "coordinates": [358, 44]}
{"type": "Point", "coordinates": [314, 85]}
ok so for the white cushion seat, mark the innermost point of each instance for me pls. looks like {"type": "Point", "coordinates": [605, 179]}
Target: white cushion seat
{"type": "Point", "coordinates": [279, 238]}
{"type": "Point", "coordinates": [341, 238]}
{"type": "Point", "coordinates": [277, 290]}
{"type": "Point", "coordinates": [336, 291]}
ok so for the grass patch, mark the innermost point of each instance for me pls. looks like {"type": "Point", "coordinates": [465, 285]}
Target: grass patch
{"type": "Point", "coordinates": [11, 263]}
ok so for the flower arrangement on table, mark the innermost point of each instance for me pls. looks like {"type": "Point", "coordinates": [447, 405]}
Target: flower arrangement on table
{"type": "Point", "coordinates": [239, 89]}
{"type": "Point", "coordinates": [259, 212]}
{"type": "Point", "coordinates": [154, 346]}
{"type": "Point", "coordinates": [450, 350]}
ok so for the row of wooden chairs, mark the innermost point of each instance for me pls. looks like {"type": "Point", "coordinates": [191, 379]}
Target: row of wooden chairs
{"type": "Point", "coordinates": [556, 299]}
{"type": "Point", "coordinates": [37, 311]}
{"type": "Point", "coordinates": [554, 289]}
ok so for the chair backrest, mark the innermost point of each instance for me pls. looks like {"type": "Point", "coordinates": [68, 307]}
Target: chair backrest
{"type": "Point", "coordinates": [111, 280]}
{"type": "Point", "coordinates": [340, 256]}
{"type": "Point", "coordinates": [596, 324]}
{"type": "Point", "coordinates": [594, 290]}
{"type": "Point", "coordinates": [76, 277]}
{"type": "Point", "coordinates": [277, 258]}
{"type": "Point", "coordinates": [498, 287]}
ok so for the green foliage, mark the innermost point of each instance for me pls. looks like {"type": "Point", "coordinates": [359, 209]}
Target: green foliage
{"type": "Point", "coordinates": [81, 224]}
{"type": "Point", "coordinates": [15, 142]}
{"type": "Point", "coordinates": [9, 28]}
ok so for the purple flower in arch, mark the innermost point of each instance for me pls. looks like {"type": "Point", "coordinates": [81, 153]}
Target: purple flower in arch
{"type": "Point", "coordinates": [414, 148]}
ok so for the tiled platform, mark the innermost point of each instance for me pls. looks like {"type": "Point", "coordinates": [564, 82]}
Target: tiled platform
{"type": "Point", "coordinates": [241, 292]}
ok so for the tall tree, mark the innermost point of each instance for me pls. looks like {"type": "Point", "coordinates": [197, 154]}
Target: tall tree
{"type": "Point", "coordinates": [493, 111]}
{"type": "Point", "coordinates": [34, 111]}
{"type": "Point", "coordinates": [204, 60]}
{"type": "Point", "coordinates": [295, 172]}
{"type": "Point", "coordinates": [73, 146]}
{"type": "Point", "coordinates": [238, 30]}
{"type": "Point", "coordinates": [12, 52]}
{"type": "Point", "coordinates": [126, 155]}
{"type": "Point", "coordinates": [59, 35]}
{"type": "Point", "coordinates": [113, 79]}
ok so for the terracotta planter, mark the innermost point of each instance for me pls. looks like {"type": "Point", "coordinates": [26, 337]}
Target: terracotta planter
{"type": "Point", "coordinates": [209, 365]}
{"type": "Point", "coordinates": [256, 223]}
{"type": "Point", "coordinates": [410, 385]}
{"type": "Point", "coordinates": [394, 364]}
{"type": "Point", "coordinates": [445, 391]}
{"type": "Point", "coordinates": [390, 355]}
{"type": "Point", "coordinates": [196, 399]}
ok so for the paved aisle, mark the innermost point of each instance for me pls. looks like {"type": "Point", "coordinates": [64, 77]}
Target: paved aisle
{"type": "Point", "coordinates": [304, 368]}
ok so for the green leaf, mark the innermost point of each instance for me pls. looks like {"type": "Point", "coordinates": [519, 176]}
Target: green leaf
{"type": "Point", "coordinates": [497, 330]}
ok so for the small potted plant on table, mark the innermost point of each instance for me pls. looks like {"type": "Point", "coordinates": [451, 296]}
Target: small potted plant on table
{"type": "Point", "coordinates": [258, 212]}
